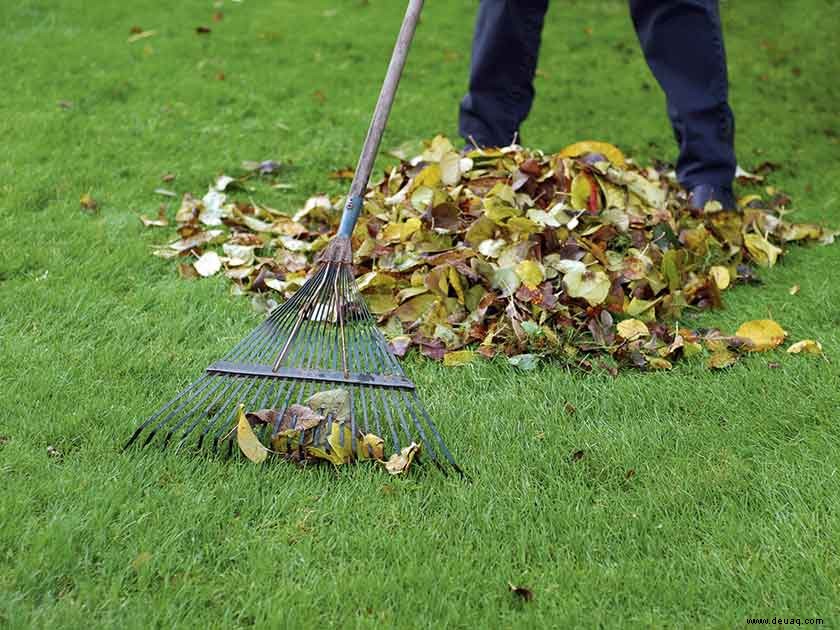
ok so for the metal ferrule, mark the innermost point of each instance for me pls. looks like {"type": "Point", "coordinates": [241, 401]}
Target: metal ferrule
{"type": "Point", "coordinates": [350, 216]}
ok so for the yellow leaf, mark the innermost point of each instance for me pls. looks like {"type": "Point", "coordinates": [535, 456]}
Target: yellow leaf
{"type": "Point", "coordinates": [763, 334]}
{"type": "Point", "coordinates": [410, 292]}
{"type": "Point", "coordinates": [721, 276]}
{"type": "Point", "coordinates": [531, 273]}
{"type": "Point", "coordinates": [413, 309]}
{"type": "Point", "coordinates": [721, 359]}
{"type": "Point", "coordinates": [581, 189]}
{"type": "Point", "coordinates": [612, 153]}
{"type": "Point", "coordinates": [371, 447]}
{"type": "Point", "coordinates": [248, 441]}
{"type": "Point", "coordinates": [429, 176]}
{"type": "Point", "coordinates": [806, 346]}
{"type": "Point", "coordinates": [631, 329]}
{"type": "Point", "coordinates": [592, 286]}
{"type": "Point", "coordinates": [341, 442]}
{"type": "Point", "coordinates": [455, 283]}
{"type": "Point", "coordinates": [375, 279]}
{"type": "Point", "coordinates": [522, 225]}
{"type": "Point", "coordinates": [762, 251]}
{"type": "Point", "coordinates": [481, 230]}
{"type": "Point", "coordinates": [380, 303]}
{"type": "Point", "coordinates": [794, 290]}
{"type": "Point", "coordinates": [87, 202]}
{"type": "Point", "coordinates": [499, 213]}
{"type": "Point", "coordinates": [642, 308]}
{"type": "Point", "coordinates": [288, 440]}
{"type": "Point", "coordinates": [459, 358]}
{"type": "Point", "coordinates": [657, 363]}
{"type": "Point", "coordinates": [399, 463]}
{"type": "Point", "coordinates": [400, 232]}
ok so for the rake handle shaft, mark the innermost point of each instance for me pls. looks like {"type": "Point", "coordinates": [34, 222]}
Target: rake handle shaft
{"type": "Point", "coordinates": [380, 118]}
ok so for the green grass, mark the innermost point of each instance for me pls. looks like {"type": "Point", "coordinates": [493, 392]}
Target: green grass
{"type": "Point", "coordinates": [733, 510]}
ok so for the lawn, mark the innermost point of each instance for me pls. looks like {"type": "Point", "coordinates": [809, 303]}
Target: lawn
{"type": "Point", "coordinates": [732, 508]}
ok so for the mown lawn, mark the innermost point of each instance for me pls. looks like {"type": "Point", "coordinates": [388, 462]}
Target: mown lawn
{"type": "Point", "coordinates": [733, 510]}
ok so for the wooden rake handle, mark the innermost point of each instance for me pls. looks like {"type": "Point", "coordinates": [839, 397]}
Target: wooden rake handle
{"type": "Point", "coordinates": [380, 119]}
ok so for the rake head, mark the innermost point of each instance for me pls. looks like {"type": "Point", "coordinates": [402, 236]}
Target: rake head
{"type": "Point", "coordinates": [323, 338]}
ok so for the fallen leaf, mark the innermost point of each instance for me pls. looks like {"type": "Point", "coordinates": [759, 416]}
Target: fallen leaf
{"type": "Point", "coordinates": [763, 334]}
{"type": "Point", "coordinates": [721, 359]}
{"type": "Point", "coordinates": [610, 152]}
{"type": "Point", "coordinates": [202, 30]}
{"type": "Point", "coordinates": [458, 358]}
{"type": "Point", "coordinates": [721, 276]}
{"type": "Point", "coordinates": [632, 329]}
{"type": "Point", "coordinates": [333, 402]}
{"type": "Point", "coordinates": [521, 592]}
{"type": "Point", "coordinates": [161, 220]}
{"type": "Point", "coordinates": [525, 362]}
{"type": "Point", "coordinates": [343, 173]}
{"type": "Point", "coordinates": [762, 251]}
{"type": "Point", "coordinates": [208, 264]}
{"type": "Point", "coordinates": [88, 202]}
{"type": "Point", "coordinates": [247, 440]}
{"type": "Point", "coordinates": [371, 447]}
{"type": "Point", "coordinates": [399, 463]}
{"type": "Point", "coordinates": [794, 290]}
{"type": "Point", "coordinates": [806, 346]}
{"type": "Point", "coordinates": [138, 35]}
{"type": "Point", "coordinates": [530, 273]}
{"type": "Point", "coordinates": [592, 286]}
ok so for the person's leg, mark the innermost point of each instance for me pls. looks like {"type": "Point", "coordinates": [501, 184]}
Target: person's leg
{"type": "Point", "coordinates": [683, 44]}
{"type": "Point", "coordinates": [504, 59]}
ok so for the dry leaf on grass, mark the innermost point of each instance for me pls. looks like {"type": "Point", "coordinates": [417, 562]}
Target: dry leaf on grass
{"type": "Point", "coordinates": [247, 440]}
{"type": "Point", "coordinates": [399, 463]}
{"type": "Point", "coordinates": [806, 346]}
{"type": "Point", "coordinates": [521, 592]}
{"type": "Point", "coordinates": [763, 334]}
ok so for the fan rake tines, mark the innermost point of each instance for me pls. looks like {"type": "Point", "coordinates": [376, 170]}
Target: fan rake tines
{"type": "Point", "coordinates": [324, 337]}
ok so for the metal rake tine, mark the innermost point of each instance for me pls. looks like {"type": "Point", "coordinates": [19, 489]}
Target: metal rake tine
{"type": "Point", "coordinates": [160, 411]}
{"type": "Point", "coordinates": [302, 313]}
{"type": "Point", "coordinates": [395, 440]}
{"type": "Point", "coordinates": [176, 411]}
{"type": "Point", "coordinates": [237, 383]}
{"type": "Point", "coordinates": [436, 433]}
{"type": "Point", "coordinates": [234, 407]}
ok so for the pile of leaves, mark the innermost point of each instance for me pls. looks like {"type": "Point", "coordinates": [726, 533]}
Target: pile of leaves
{"type": "Point", "coordinates": [320, 430]}
{"type": "Point", "coordinates": [510, 251]}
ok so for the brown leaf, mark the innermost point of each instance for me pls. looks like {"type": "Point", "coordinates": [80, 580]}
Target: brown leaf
{"type": "Point", "coordinates": [521, 592]}
{"type": "Point", "coordinates": [399, 463]}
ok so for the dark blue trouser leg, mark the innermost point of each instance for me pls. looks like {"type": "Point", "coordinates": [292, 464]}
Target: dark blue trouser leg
{"type": "Point", "coordinates": [683, 45]}
{"type": "Point", "coordinates": [504, 60]}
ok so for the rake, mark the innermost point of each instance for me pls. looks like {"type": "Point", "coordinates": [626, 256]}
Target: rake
{"type": "Point", "coordinates": [322, 338]}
